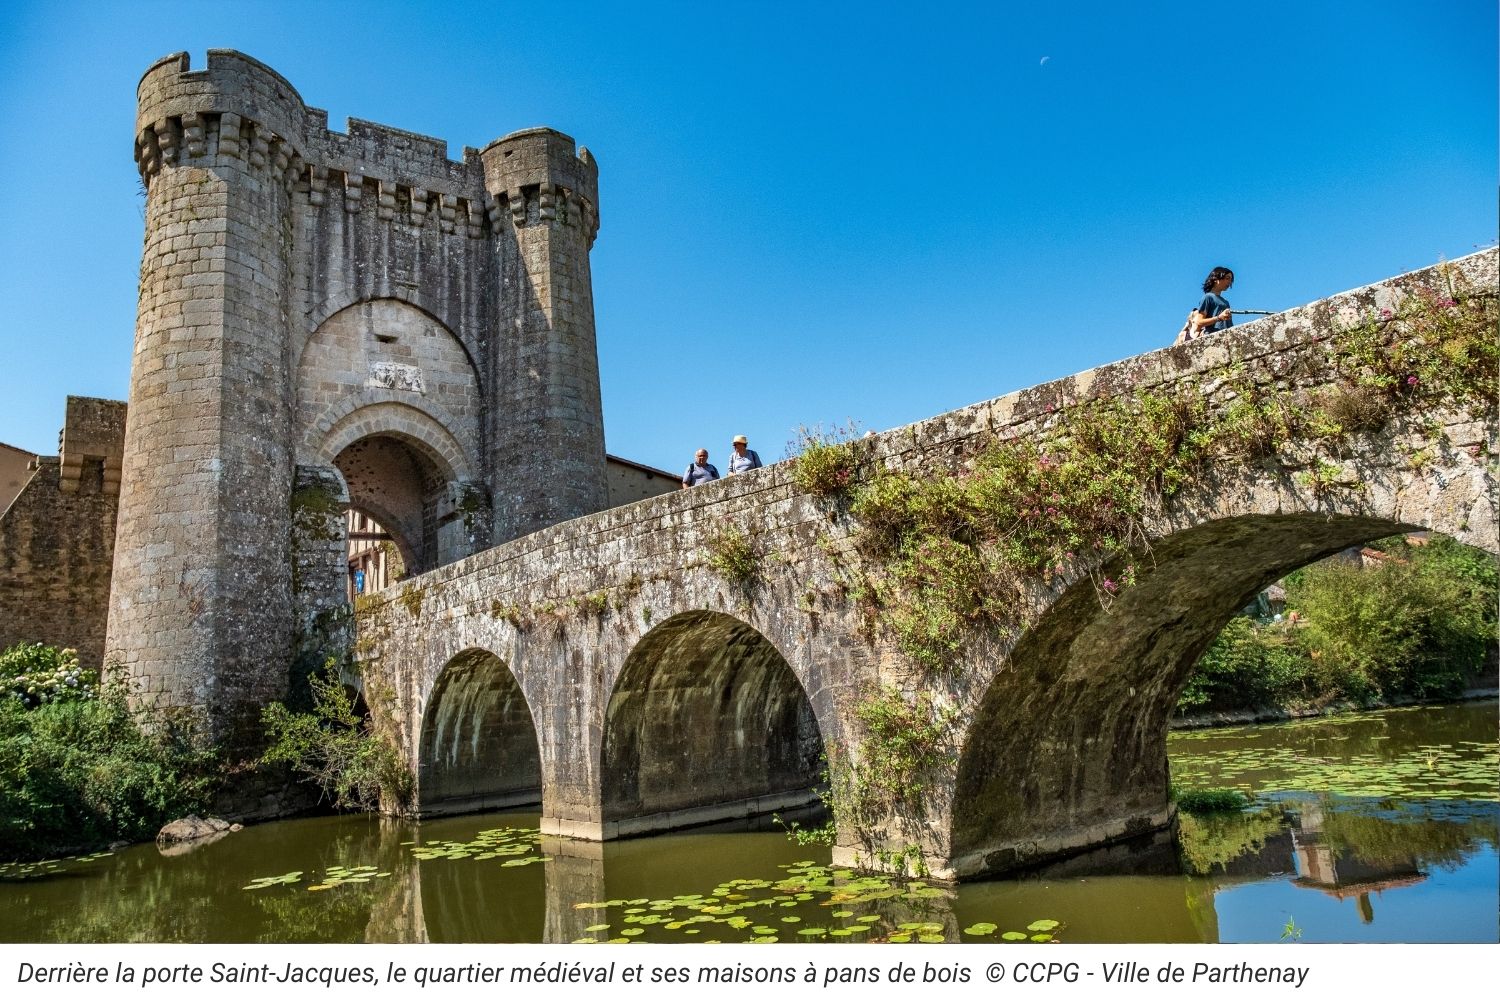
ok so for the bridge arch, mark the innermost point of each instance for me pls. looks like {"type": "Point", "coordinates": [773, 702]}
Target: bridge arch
{"type": "Point", "coordinates": [706, 721]}
{"type": "Point", "coordinates": [478, 747]}
{"type": "Point", "coordinates": [1067, 746]}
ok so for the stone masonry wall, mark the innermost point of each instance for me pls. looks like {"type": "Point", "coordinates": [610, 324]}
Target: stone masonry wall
{"type": "Point", "coordinates": [1080, 698]}
{"type": "Point", "coordinates": [57, 537]}
{"type": "Point", "coordinates": [304, 290]}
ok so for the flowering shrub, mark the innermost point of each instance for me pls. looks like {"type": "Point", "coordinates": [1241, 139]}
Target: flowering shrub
{"type": "Point", "coordinates": [824, 463]}
{"type": "Point", "coordinates": [952, 552]}
{"type": "Point", "coordinates": [34, 675]}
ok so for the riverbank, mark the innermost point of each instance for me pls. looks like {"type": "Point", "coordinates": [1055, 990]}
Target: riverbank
{"type": "Point", "coordinates": [1282, 713]}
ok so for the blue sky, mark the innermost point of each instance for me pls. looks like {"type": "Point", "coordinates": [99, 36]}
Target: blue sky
{"type": "Point", "coordinates": [813, 212]}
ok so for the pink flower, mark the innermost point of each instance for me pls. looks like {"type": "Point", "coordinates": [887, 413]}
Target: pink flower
{"type": "Point", "coordinates": [1110, 586]}
{"type": "Point", "coordinates": [1386, 314]}
{"type": "Point", "coordinates": [1411, 380]}
{"type": "Point", "coordinates": [1448, 303]}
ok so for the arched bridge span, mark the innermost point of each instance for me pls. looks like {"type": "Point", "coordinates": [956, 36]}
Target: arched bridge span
{"type": "Point", "coordinates": [619, 666]}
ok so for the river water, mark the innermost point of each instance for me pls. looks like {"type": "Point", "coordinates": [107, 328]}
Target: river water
{"type": "Point", "coordinates": [1374, 827]}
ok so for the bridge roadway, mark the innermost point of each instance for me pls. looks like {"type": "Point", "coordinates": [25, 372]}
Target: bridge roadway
{"type": "Point", "coordinates": [604, 668]}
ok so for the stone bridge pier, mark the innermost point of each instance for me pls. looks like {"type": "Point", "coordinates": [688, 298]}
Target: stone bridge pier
{"type": "Point", "coordinates": [712, 654]}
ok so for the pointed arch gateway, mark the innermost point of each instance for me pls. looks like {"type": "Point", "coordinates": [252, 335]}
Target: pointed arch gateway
{"type": "Point", "coordinates": [478, 748]}
{"type": "Point", "coordinates": [706, 722]}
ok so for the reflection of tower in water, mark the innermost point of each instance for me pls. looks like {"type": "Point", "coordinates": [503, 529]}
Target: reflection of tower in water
{"type": "Point", "coordinates": [1341, 873]}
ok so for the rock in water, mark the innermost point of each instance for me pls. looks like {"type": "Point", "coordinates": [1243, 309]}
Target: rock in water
{"type": "Point", "coordinates": [192, 828]}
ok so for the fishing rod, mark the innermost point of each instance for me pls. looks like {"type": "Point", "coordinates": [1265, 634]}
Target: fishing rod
{"type": "Point", "coordinates": [1253, 312]}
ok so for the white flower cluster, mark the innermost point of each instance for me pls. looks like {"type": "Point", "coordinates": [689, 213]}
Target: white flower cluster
{"type": "Point", "coordinates": [35, 675]}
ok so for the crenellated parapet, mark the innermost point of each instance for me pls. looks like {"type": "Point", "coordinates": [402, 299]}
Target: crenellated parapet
{"type": "Point", "coordinates": [535, 177]}
{"type": "Point", "coordinates": [239, 108]}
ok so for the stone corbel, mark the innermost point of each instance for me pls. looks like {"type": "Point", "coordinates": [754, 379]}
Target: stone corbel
{"type": "Point", "coordinates": [448, 211]}
{"type": "Point", "coordinates": [193, 133]}
{"type": "Point", "coordinates": [517, 206]}
{"type": "Point", "coordinates": [260, 145]}
{"type": "Point", "coordinates": [419, 206]}
{"type": "Point", "coordinates": [317, 185]}
{"type": "Point", "coordinates": [547, 202]}
{"type": "Point", "coordinates": [387, 208]}
{"type": "Point", "coordinates": [354, 190]}
{"type": "Point", "coordinates": [294, 169]}
{"type": "Point", "coordinates": [166, 140]}
{"type": "Point", "coordinates": [147, 153]}
{"type": "Point", "coordinates": [230, 143]}
{"type": "Point", "coordinates": [476, 218]}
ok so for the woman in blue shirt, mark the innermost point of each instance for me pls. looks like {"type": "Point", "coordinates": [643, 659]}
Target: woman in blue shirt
{"type": "Point", "coordinates": [1213, 313]}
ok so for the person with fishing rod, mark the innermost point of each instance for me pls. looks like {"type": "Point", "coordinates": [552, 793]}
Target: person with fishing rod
{"type": "Point", "coordinates": [1213, 313]}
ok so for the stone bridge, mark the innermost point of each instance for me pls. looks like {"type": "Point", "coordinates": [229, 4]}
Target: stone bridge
{"type": "Point", "coordinates": [715, 653]}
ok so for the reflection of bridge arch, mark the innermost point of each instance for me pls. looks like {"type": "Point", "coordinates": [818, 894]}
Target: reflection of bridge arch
{"type": "Point", "coordinates": [706, 721]}
{"type": "Point", "coordinates": [1096, 685]}
{"type": "Point", "coordinates": [478, 744]}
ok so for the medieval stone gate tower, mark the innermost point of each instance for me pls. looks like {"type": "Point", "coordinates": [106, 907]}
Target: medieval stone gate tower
{"type": "Point", "coordinates": [330, 320]}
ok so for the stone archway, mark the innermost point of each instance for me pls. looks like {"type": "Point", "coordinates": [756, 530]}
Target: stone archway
{"type": "Point", "coordinates": [706, 722]}
{"type": "Point", "coordinates": [1067, 748]}
{"type": "Point", "coordinates": [403, 487]}
{"type": "Point", "coordinates": [478, 745]}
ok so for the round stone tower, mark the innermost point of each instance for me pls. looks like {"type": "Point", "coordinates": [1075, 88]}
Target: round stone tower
{"type": "Point", "coordinates": [329, 321]}
{"type": "Point", "coordinates": [200, 604]}
{"type": "Point", "coordinates": [548, 447]}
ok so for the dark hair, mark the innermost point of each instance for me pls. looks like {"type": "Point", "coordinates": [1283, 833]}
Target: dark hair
{"type": "Point", "coordinates": [1215, 275]}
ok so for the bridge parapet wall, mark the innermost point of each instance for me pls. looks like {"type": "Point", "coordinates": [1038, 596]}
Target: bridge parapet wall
{"type": "Point", "coordinates": [564, 606]}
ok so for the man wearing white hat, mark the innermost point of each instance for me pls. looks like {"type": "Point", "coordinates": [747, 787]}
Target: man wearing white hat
{"type": "Point", "coordinates": [743, 459]}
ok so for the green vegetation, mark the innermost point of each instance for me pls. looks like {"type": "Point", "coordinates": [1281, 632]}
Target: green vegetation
{"type": "Point", "coordinates": [732, 554]}
{"type": "Point", "coordinates": [903, 745]}
{"type": "Point", "coordinates": [1210, 800]}
{"type": "Point", "coordinates": [34, 674]}
{"type": "Point", "coordinates": [1392, 755]}
{"type": "Point", "coordinates": [1210, 841]}
{"type": "Point", "coordinates": [411, 599]}
{"type": "Point", "coordinates": [825, 462]}
{"type": "Point", "coordinates": [1412, 627]}
{"type": "Point", "coordinates": [81, 768]}
{"type": "Point", "coordinates": [951, 553]}
{"type": "Point", "coordinates": [336, 748]}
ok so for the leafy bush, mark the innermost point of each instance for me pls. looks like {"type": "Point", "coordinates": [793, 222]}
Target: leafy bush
{"type": "Point", "coordinates": [336, 748]}
{"type": "Point", "coordinates": [732, 554]}
{"type": "Point", "coordinates": [1210, 800]}
{"type": "Point", "coordinates": [81, 773]}
{"type": "Point", "coordinates": [1413, 627]}
{"type": "Point", "coordinates": [34, 674]}
{"type": "Point", "coordinates": [825, 463]}
{"type": "Point", "coordinates": [1249, 666]}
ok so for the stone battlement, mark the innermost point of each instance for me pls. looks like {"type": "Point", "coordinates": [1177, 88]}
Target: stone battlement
{"type": "Point", "coordinates": [239, 107]}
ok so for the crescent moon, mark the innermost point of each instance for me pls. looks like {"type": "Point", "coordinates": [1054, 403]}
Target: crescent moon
{"type": "Point", "coordinates": [1044, 60]}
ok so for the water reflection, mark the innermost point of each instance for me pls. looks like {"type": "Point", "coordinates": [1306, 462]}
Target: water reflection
{"type": "Point", "coordinates": [1396, 867]}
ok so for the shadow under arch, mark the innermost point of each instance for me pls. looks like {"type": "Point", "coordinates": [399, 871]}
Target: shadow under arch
{"type": "Point", "coordinates": [707, 722]}
{"type": "Point", "coordinates": [478, 747]}
{"type": "Point", "coordinates": [1067, 749]}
